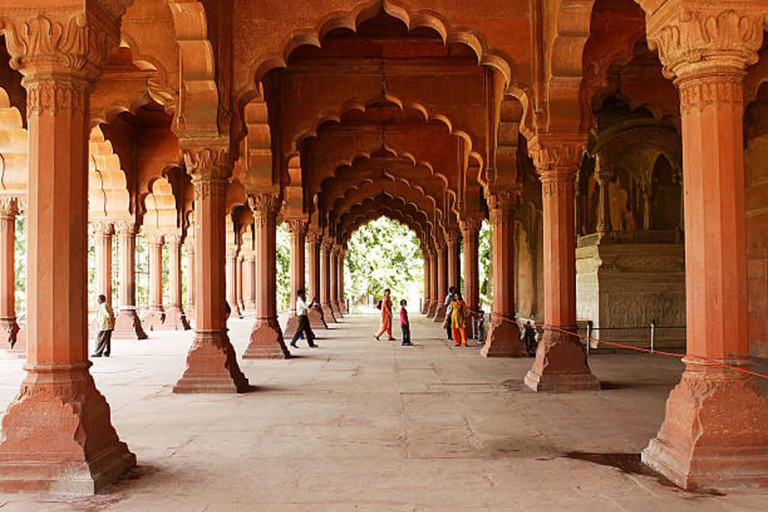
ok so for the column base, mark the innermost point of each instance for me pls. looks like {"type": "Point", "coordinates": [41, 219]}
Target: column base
{"type": "Point", "coordinates": [503, 339]}
{"type": "Point", "coordinates": [154, 320]}
{"type": "Point", "coordinates": [440, 313]}
{"type": "Point", "coordinates": [190, 312]}
{"type": "Point", "coordinates": [316, 318]}
{"type": "Point", "coordinates": [328, 315]}
{"type": "Point", "coordinates": [128, 326]}
{"type": "Point", "coordinates": [343, 307]}
{"type": "Point", "coordinates": [58, 436]}
{"type": "Point", "coordinates": [175, 320]}
{"type": "Point", "coordinates": [714, 433]}
{"type": "Point", "coordinates": [250, 308]}
{"type": "Point", "coordinates": [266, 341]}
{"type": "Point", "coordinates": [337, 310]}
{"type": "Point", "coordinates": [432, 309]}
{"type": "Point", "coordinates": [9, 331]}
{"type": "Point", "coordinates": [212, 366]}
{"type": "Point", "coordinates": [291, 325]}
{"type": "Point", "coordinates": [561, 365]}
{"type": "Point", "coordinates": [425, 308]}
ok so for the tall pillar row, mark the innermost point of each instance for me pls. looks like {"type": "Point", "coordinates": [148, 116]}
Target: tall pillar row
{"type": "Point", "coordinates": [9, 328]}
{"type": "Point", "coordinates": [334, 278]}
{"type": "Point", "coordinates": [83, 453]}
{"type": "Point", "coordinates": [156, 314]}
{"type": "Point", "coordinates": [714, 432]}
{"type": "Point", "coordinates": [427, 289]}
{"type": "Point", "coordinates": [189, 251]}
{"type": "Point", "coordinates": [433, 283]}
{"type": "Point", "coordinates": [249, 282]}
{"type": "Point", "coordinates": [211, 362]}
{"type": "Point", "coordinates": [316, 317]}
{"type": "Point", "coordinates": [340, 274]}
{"type": "Point", "coordinates": [127, 324]}
{"type": "Point", "coordinates": [561, 361]}
{"type": "Point", "coordinates": [453, 248]}
{"type": "Point", "coordinates": [298, 231]}
{"type": "Point", "coordinates": [239, 282]}
{"type": "Point", "coordinates": [325, 280]}
{"type": "Point", "coordinates": [441, 248]}
{"type": "Point", "coordinates": [231, 283]}
{"type": "Point", "coordinates": [266, 336]}
{"type": "Point", "coordinates": [470, 232]}
{"type": "Point", "coordinates": [503, 334]}
{"type": "Point", "coordinates": [175, 317]}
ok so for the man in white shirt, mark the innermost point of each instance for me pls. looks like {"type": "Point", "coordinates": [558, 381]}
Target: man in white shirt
{"type": "Point", "coordinates": [105, 323]}
{"type": "Point", "coordinates": [302, 308]}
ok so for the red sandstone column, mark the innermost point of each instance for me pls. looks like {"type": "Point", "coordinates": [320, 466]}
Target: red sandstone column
{"type": "Point", "coordinates": [561, 362]}
{"type": "Point", "coordinates": [232, 281]}
{"type": "Point", "coordinates": [325, 280]}
{"type": "Point", "coordinates": [211, 363]}
{"type": "Point", "coordinates": [427, 288]}
{"type": "Point", "coordinates": [316, 317]}
{"type": "Point", "coordinates": [470, 230]}
{"type": "Point", "coordinates": [57, 435]}
{"type": "Point", "coordinates": [342, 297]}
{"type": "Point", "coordinates": [298, 231]}
{"type": "Point", "coordinates": [239, 287]}
{"type": "Point", "coordinates": [249, 282]}
{"type": "Point", "coordinates": [156, 316]}
{"type": "Point", "coordinates": [103, 232]}
{"type": "Point", "coordinates": [128, 324]}
{"type": "Point", "coordinates": [8, 326]}
{"type": "Point", "coordinates": [334, 263]}
{"type": "Point", "coordinates": [714, 433]}
{"type": "Point", "coordinates": [433, 283]}
{"type": "Point", "coordinates": [503, 334]}
{"type": "Point", "coordinates": [453, 239]}
{"type": "Point", "coordinates": [266, 337]}
{"type": "Point", "coordinates": [189, 249]}
{"type": "Point", "coordinates": [175, 319]}
{"type": "Point", "coordinates": [603, 178]}
{"type": "Point", "coordinates": [442, 279]}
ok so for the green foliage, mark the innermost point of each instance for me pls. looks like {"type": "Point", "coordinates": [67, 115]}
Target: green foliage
{"type": "Point", "coordinates": [283, 268]}
{"type": "Point", "coordinates": [484, 255]}
{"type": "Point", "coordinates": [384, 254]}
{"type": "Point", "coordinates": [21, 267]}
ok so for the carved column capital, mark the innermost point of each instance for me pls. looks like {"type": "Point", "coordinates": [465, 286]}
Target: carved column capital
{"type": "Point", "coordinates": [296, 227]}
{"type": "Point", "coordinates": [557, 153]}
{"type": "Point", "coordinates": [326, 246]}
{"type": "Point", "coordinates": [71, 42]}
{"type": "Point", "coordinates": [189, 245]}
{"type": "Point", "coordinates": [693, 36]}
{"type": "Point", "coordinates": [125, 228]}
{"type": "Point", "coordinates": [207, 161]}
{"type": "Point", "coordinates": [173, 239]}
{"type": "Point", "coordinates": [265, 206]}
{"type": "Point", "coordinates": [103, 228]}
{"type": "Point", "coordinates": [232, 253]}
{"type": "Point", "coordinates": [313, 237]}
{"type": "Point", "coordinates": [154, 239]}
{"type": "Point", "coordinates": [452, 237]}
{"type": "Point", "coordinates": [9, 207]}
{"type": "Point", "coordinates": [470, 227]}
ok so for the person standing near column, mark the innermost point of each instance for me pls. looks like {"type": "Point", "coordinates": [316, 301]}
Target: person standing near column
{"type": "Point", "coordinates": [386, 317]}
{"type": "Point", "coordinates": [303, 327]}
{"type": "Point", "coordinates": [105, 322]}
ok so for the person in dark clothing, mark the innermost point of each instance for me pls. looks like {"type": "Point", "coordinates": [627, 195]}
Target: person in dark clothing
{"type": "Point", "coordinates": [302, 310]}
{"type": "Point", "coordinates": [405, 324]}
{"type": "Point", "coordinates": [529, 339]}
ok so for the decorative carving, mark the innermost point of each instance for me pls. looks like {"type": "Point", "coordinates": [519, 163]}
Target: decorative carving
{"type": "Point", "coordinates": [503, 200]}
{"type": "Point", "coordinates": [103, 228]}
{"type": "Point", "coordinates": [154, 239]}
{"type": "Point", "coordinates": [560, 154]}
{"type": "Point", "coordinates": [231, 253]}
{"type": "Point", "coordinates": [296, 227]}
{"type": "Point", "coordinates": [696, 36]}
{"type": "Point", "coordinates": [173, 239]}
{"type": "Point", "coordinates": [452, 237]}
{"type": "Point", "coordinates": [80, 42]}
{"type": "Point", "coordinates": [125, 228]}
{"type": "Point", "coordinates": [702, 92]}
{"type": "Point", "coordinates": [207, 187]}
{"type": "Point", "coordinates": [470, 227]}
{"type": "Point", "coordinates": [556, 184]}
{"type": "Point", "coordinates": [265, 208]}
{"type": "Point", "coordinates": [50, 98]}
{"type": "Point", "coordinates": [9, 206]}
{"type": "Point", "coordinates": [313, 237]}
{"type": "Point", "coordinates": [207, 161]}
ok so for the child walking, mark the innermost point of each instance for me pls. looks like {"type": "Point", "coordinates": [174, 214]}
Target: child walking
{"type": "Point", "coordinates": [405, 325]}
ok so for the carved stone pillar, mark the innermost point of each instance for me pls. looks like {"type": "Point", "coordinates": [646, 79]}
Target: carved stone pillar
{"type": "Point", "coordinates": [231, 266]}
{"type": "Point", "coordinates": [57, 433]}
{"type": "Point", "coordinates": [103, 232]}
{"type": "Point", "coordinates": [298, 231]}
{"type": "Point", "coordinates": [427, 287]}
{"type": "Point", "coordinates": [561, 362]}
{"type": "Point", "coordinates": [249, 282]}
{"type": "Point", "coordinates": [211, 363]}
{"type": "Point", "coordinates": [433, 283]}
{"type": "Point", "coordinates": [316, 317]}
{"type": "Point", "coordinates": [453, 241]}
{"type": "Point", "coordinates": [603, 176]}
{"type": "Point", "coordinates": [240, 286]}
{"type": "Point", "coordinates": [442, 279]}
{"type": "Point", "coordinates": [335, 282]}
{"type": "Point", "coordinates": [156, 315]}
{"type": "Point", "coordinates": [325, 280]}
{"type": "Point", "coordinates": [266, 337]}
{"type": "Point", "coordinates": [8, 326]}
{"type": "Point", "coordinates": [714, 432]}
{"type": "Point", "coordinates": [127, 324]}
{"type": "Point", "coordinates": [470, 231]}
{"type": "Point", "coordinates": [340, 274]}
{"type": "Point", "coordinates": [189, 250]}
{"type": "Point", "coordinates": [503, 334]}
{"type": "Point", "coordinates": [175, 318]}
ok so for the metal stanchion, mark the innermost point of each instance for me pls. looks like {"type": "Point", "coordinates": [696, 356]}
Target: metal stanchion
{"type": "Point", "coordinates": [653, 335]}
{"type": "Point", "coordinates": [589, 335]}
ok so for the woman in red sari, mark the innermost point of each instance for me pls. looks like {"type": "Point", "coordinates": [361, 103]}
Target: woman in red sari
{"type": "Point", "coordinates": [386, 317]}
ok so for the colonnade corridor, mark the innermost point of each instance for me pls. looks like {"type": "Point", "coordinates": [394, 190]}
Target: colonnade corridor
{"type": "Point", "coordinates": [358, 425]}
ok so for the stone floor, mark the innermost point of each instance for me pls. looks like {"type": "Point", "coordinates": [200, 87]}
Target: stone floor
{"type": "Point", "coordinates": [359, 425]}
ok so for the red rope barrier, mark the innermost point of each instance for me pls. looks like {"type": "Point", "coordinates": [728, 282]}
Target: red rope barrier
{"type": "Point", "coordinates": [659, 352]}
